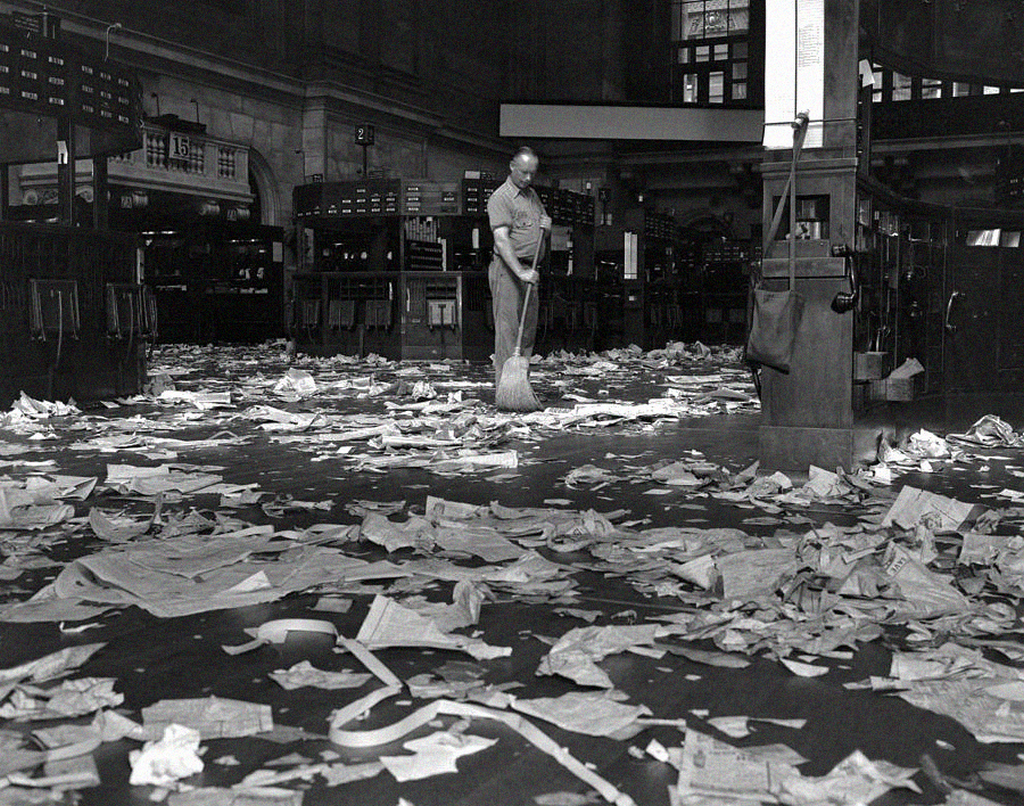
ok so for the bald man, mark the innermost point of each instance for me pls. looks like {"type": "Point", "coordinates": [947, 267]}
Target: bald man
{"type": "Point", "coordinates": [518, 221]}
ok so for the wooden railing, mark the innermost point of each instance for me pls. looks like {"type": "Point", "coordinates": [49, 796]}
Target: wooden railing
{"type": "Point", "coordinates": [176, 161]}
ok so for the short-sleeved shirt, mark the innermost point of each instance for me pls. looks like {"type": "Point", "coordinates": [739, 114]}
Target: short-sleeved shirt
{"type": "Point", "coordinates": [520, 210]}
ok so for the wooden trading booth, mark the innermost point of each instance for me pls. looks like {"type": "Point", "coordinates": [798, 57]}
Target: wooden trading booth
{"type": "Point", "coordinates": [73, 315]}
{"type": "Point", "coordinates": [808, 413]}
{"type": "Point", "coordinates": [933, 283]}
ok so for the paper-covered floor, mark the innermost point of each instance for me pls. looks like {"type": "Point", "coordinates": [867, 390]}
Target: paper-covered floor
{"type": "Point", "coordinates": [275, 580]}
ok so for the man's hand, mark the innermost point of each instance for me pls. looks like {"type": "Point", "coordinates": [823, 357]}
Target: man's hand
{"type": "Point", "coordinates": [529, 275]}
{"type": "Point", "coordinates": [545, 223]}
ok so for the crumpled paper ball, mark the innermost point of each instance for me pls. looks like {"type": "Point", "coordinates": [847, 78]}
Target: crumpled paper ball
{"type": "Point", "coordinates": [163, 762]}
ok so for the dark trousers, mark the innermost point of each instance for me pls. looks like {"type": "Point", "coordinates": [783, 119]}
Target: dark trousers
{"type": "Point", "coordinates": [507, 293]}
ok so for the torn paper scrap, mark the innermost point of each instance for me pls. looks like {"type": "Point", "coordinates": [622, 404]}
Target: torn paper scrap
{"type": "Point", "coordinates": [926, 593]}
{"type": "Point", "coordinates": [117, 528]}
{"type": "Point", "coordinates": [735, 727]}
{"type": "Point", "coordinates": [721, 659]}
{"type": "Point", "coordinates": [908, 369]}
{"type": "Point", "coordinates": [472, 461]}
{"type": "Point", "coordinates": [855, 780]}
{"type": "Point", "coordinates": [112, 726]}
{"type": "Point", "coordinates": [711, 768]}
{"type": "Point", "coordinates": [413, 533]}
{"type": "Point", "coordinates": [593, 713]}
{"type": "Point", "coordinates": [212, 717]}
{"type": "Point", "coordinates": [980, 549]}
{"type": "Point", "coordinates": [71, 698]}
{"type": "Point", "coordinates": [34, 409]}
{"type": "Point", "coordinates": [750, 573]}
{"type": "Point", "coordinates": [962, 797]}
{"type": "Point", "coordinates": [576, 653]}
{"type": "Point", "coordinates": [437, 508]}
{"type": "Point", "coordinates": [279, 419]}
{"type": "Point", "coordinates": [187, 574]}
{"type": "Point", "coordinates": [296, 382]}
{"type": "Point", "coordinates": [434, 755]}
{"type": "Point", "coordinates": [912, 504]}
{"type": "Point", "coordinates": [463, 612]}
{"type": "Point", "coordinates": [304, 674]}
{"type": "Point", "coordinates": [823, 483]}
{"type": "Point", "coordinates": [264, 782]}
{"type": "Point", "coordinates": [990, 431]}
{"type": "Point", "coordinates": [151, 481]}
{"type": "Point", "coordinates": [532, 567]}
{"type": "Point", "coordinates": [923, 443]}
{"type": "Point", "coordinates": [801, 669]}
{"type": "Point", "coordinates": [1012, 690]}
{"type": "Point", "coordinates": [214, 796]}
{"type": "Point", "coordinates": [78, 772]}
{"type": "Point", "coordinates": [32, 517]}
{"type": "Point", "coordinates": [390, 624]}
{"type": "Point", "coordinates": [965, 700]}
{"type": "Point", "coordinates": [50, 666]}
{"type": "Point", "coordinates": [482, 541]}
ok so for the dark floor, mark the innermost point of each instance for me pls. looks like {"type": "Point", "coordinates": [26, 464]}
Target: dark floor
{"type": "Point", "coordinates": [164, 658]}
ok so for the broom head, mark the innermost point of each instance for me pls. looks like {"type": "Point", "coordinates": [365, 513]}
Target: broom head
{"type": "Point", "coordinates": [514, 392]}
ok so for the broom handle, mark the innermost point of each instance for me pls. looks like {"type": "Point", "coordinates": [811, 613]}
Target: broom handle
{"type": "Point", "coordinates": [526, 297]}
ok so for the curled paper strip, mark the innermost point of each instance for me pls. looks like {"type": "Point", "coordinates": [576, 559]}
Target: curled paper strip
{"type": "Point", "coordinates": [370, 661]}
{"type": "Point", "coordinates": [276, 632]}
{"type": "Point", "coordinates": [532, 734]}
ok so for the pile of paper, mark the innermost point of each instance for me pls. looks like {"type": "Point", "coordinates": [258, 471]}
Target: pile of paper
{"type": "Point", "coordinates": [251, 477]}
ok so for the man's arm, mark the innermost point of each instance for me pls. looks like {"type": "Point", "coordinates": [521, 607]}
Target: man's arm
{"type": "Point", "coordinates": [503, 246]}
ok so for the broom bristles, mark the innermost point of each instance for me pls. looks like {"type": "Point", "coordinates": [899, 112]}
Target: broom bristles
{"type": "Point", "coordinates": [514, 392]}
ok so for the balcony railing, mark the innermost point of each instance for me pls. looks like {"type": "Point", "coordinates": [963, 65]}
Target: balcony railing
{"type": "Point", "coordinates": [182, 162]}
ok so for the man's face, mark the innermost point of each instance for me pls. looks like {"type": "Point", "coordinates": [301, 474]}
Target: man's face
{"type": "Point", "coordinates": [522, 169]}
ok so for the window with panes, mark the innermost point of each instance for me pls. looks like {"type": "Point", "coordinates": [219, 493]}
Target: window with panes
{"type": "Point", "coordinates": [711, 53]}
{"type": "Point", "coordinates": [891, 85]}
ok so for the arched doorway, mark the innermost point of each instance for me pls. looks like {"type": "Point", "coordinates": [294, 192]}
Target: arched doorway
{"type": "Point", "coordinates": [266, 203]}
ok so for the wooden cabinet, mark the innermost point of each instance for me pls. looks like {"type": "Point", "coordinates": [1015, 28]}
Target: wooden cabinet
{"type": "Point", "coordinates": [71, 314]}
{"type": "Point", "coordinates": [983, 323]}
{"type": "Point", "coordinates": [945, 286]}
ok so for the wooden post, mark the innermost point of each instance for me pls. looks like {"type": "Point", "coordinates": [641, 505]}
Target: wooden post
{"type": "Point", "coordinates": [100, 202]}
{"type": "Point", "coordinates": [66, 170]}
{"type": "Point", "coordinates": [807, 414]}
{"type": "Point", "coordinates": [5, 189]}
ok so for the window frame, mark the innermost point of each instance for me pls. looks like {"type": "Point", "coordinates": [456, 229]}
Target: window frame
{"type": "Point", "coordinates": [695, 61]}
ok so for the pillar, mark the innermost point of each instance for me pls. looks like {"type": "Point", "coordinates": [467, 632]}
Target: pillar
{"type": "Point", "coordinates": [807, 414]}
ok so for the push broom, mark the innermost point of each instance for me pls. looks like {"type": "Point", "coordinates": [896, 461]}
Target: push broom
{"type": "Point", "coordinates": [514, 392]}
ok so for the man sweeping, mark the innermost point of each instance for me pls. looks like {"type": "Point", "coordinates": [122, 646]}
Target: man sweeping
{"type": "Point", "coordinates": [518, 221]}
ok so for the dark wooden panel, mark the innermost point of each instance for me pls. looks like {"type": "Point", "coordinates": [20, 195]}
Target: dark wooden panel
{"type": "Point", "coordinates": [784, 448]}
{"type": "Point", "coordinates": [987, 319]}
{"type": "Point", "coordinates": [1011, 315]}
{"type": "Point", "coordinates": [817, 392]}
{"type": "Point", "coordinates": [977, 41]}
{"type": "Point", "coordinates": [57, 353]}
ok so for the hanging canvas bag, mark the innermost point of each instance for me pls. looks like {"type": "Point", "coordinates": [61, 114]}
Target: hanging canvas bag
{"type": "Point", "coordinates": [774, 326]}
{"type": "Point", "coordinates": [777, 314]}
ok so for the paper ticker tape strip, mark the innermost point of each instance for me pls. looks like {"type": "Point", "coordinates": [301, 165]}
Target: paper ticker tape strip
{"type": "Point", "coordinates": [532, 734]}
{"type": "Point", "coordinates": [370, 661]}
{"type": "Point", "coordinates": [276, 632]}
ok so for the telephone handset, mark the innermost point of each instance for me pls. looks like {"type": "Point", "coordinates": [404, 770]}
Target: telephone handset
{"type": "Point", "coordinates": [846, 301]}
